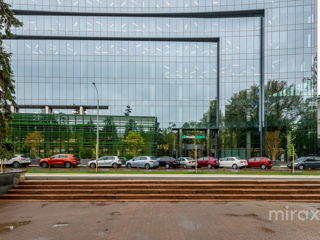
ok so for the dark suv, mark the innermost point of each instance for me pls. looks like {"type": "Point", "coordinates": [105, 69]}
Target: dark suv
{"type": "Point", "coordinates": [307, 162]}
{"type": "Point", "coordinates": [168, 162]}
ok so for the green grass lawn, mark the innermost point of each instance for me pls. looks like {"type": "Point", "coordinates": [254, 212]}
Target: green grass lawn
{"type": "Point", "coordinates": [164, 173]}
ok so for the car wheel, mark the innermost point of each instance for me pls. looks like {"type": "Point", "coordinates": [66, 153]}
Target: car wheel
{"type": "Point", "coordinates": [44, 165]}
{"type": "Point", "coordinates": [263, 166]}
{"type": "Point", "coordinates": [115, 165]}
{"type": "Point", "coordinates": [129, 165]}
{"type": "Point", "coordinates": [167, 165]}
{"type": "Point", "coordinates": [209, 166]}
{"type": "Point", "coordinates": [185, 166]}
{"type": "Point", "coordinates": [301, 167]}
{"type": "Point", "coordinates": [235, 166]}
{"type": "Point", "coordinates": [147, 166]}
{"type": "Point", "coordinates": [93, 165]}
{"type": "Point", "coordinates": [67, 165]}
{"type": "Point", "coordinates": [16, 165]}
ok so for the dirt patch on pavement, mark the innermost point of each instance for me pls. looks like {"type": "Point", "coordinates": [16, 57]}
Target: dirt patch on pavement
{"type": "Point", "coordinates": [267, 230]}
{"type": "Point", "coordinates": [249, 215]}
{"type": "Point", "coordinates": [11, 226]}
{"type": "Point", "coordinates": [115, 213]}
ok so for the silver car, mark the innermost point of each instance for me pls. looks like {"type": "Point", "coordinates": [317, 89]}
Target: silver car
{"type": "Point", "coordinates": [187, 162]}
{"type": "Point", "coordinates": [106, 161]}
{"type": "Point", "coordinates": [18, 160]}
{"type": "Point", "coordinates": [146, 162]}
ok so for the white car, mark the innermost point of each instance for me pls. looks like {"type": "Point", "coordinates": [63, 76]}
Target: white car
{"type": "Point", "coordinates": [233, 162]}
{"type": "Point", "coordinates": [17, 161]}
{"type": "Point", "coordinates": [187, 162]}
{"type": "Point", "coordinates": [106, 161]}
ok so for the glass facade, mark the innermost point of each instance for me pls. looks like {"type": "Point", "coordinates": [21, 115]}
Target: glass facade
{"type": "Point", "coordinates": [177, 61]}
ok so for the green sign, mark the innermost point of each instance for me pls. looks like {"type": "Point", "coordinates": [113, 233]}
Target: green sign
{"type": "Point", "coordinates": [192, 137]}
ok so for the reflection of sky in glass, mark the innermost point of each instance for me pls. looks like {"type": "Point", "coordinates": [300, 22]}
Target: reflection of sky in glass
{"type": "Point", "coordinates": [290, 45]}
{"type": "Point", "coordinates": [172, 80]}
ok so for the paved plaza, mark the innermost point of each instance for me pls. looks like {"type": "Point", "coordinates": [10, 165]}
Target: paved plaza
{"type": "Point", "coordinates": [154, 220]}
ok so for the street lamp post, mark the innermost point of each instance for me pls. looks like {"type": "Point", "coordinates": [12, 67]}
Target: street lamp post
{"type": "Point", "coordinates": [97, 145]}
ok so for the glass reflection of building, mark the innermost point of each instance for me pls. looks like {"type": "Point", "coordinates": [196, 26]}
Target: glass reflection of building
{"type": "Point", "coordinates": [159, 57]}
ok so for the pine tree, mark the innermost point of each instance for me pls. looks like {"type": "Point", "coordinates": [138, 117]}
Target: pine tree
{"type": "Point", "coordinates": [127, 111]}
{"type": "Point", "coordinates": [7, 21]}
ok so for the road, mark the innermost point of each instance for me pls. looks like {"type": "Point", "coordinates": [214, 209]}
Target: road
{"type": "Point", "coordinates": [124, 169]}
{"type": "Point", "coordinates": [143, 221]}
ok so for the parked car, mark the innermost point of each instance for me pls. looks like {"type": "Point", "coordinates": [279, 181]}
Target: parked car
{"type": "Point", "coordinates": [106, 161]}
{"type": "Point", "coordinates": [67, 160]}
{"type": "Point", "coordinates": [261, 162]}
{"type": "Point", "coordinates": [186, 162]}
{"type": "Point", "coordinates": [18, 161]}
{"type": "Point", "coordinates": [168, 162]}
{"type": "Point", "coordinates": [306, 162]}
{"type": "Point", "coordinates": [209, 162]}
{"type": "Point", "coordinates": [233, 162]}
{"type": "Point", "coordinates": [146, 162]}
{"type": "Point", "coordinates": [123, 160]}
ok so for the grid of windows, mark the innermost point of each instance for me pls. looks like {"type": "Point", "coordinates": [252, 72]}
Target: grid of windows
{"type": "Point", "coordinates": [176, 81]}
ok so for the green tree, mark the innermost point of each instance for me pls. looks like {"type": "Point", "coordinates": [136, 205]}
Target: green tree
{"type": "Point", "coordinates": [86, 153]}
{"type": "Point", "coordinates": [7, 20]}
{"type": "Point", "coordinates": [273, 141]}
{"type": "Point", "coordinates": [127, 111]}
{"type": "Point", "coordinates": [131, 126]}
{"type": "Point", "coordinates": [306, 130]}
{"type": "Point", "coordinates": [109, 137]}
{"type": "Point", "coordinates": [34, 141]}
{"type": "Point", "coordinates": [135, 142]}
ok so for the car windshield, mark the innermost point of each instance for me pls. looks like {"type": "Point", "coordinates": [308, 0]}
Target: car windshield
{"type": "Point", "coordinates": [153, 158]}
{"type": "Point", "coordinates": [190, 159]}
{"type": "Point", "coordinates": [300, 159]}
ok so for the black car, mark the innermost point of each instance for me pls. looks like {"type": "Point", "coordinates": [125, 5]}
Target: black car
{"type": "Point", "coordinates": [168, 162]}
{"type": "Point", "coordinates": [307, 162]}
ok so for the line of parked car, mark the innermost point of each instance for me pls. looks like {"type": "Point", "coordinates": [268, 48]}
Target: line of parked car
{"type": "Point", "coordinates": [147, 162]}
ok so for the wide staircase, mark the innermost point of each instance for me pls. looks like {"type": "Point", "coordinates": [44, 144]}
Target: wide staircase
{"type": "Point", "coordinates": [165, 190]}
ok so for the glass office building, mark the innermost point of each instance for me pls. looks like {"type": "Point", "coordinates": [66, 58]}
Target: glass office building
{"type": "Point", "coordinates": [245, 68]}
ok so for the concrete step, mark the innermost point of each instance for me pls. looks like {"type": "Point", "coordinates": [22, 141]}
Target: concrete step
{"type": "Point", "coordinates": [129, 182]}
{"type": "Point", "coordinates": [171, 186]}
{"type": "Point", "coordinates": [100, 197]}
{"type": "Point", "coordinates": [164, 191]}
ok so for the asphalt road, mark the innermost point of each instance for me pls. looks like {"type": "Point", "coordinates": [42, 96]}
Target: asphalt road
{"type": "Point", "coordinates": [124, 169]}
{"type": "Point", "coordinates": [154, 221]}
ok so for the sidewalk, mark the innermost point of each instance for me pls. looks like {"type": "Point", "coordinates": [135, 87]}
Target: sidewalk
{"type": "Point", "coordinates": [93, 176]}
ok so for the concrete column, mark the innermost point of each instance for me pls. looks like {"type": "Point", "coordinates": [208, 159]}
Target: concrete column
{"type": "Point", "coordinates": [48, 110]}
{"type": "Point", "coordinates": [208, 142]}
{"type": "Point", "coordinates": [81, 110]}
{"type": "Point", "coordinates": [248, 143]}
{"type": "Point", "coordinates": [216, 144]}
{"type": "Point", "coordinates": [180, 142]}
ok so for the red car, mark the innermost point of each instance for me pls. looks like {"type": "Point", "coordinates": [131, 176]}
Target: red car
{"type": "Point", "coordinates": [261, 162]}
{"type": "Point", "coordinates": [67, 160]}
{"type": "Point", "coordinates": [209, 162]}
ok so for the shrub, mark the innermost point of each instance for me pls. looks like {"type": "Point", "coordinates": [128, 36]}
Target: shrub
{"type": "Point", "coordinates": [86, 153]}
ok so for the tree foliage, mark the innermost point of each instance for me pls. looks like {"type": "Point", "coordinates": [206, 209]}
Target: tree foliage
{"type": "Point", "coordinates": [273, 143]}
{"type": "Point", "coordinates": [127, 111]}
{"type": "Point", "coordinates": [34, 141]}
{"type": "Point", "coordinates": [7, 21]}
{"type": "Point", "coordinates": [86, 153]}
{"type": "Point", "coordinates": [134, 142]}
